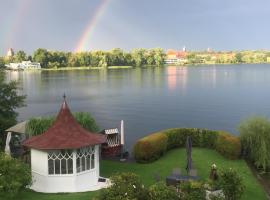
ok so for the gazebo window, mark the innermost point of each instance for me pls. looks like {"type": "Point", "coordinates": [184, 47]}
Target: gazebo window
{"type": "Point", "coordinates": [60, 162]}
{"type": "Point", "coordinates": [85, 159]}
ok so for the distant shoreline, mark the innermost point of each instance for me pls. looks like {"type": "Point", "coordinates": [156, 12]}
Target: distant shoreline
{"type": "Point", "coordinates": [130, 67]}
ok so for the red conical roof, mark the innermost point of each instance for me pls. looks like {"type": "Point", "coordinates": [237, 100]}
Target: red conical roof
{"type": "Point", "coordinates": [65, 133]}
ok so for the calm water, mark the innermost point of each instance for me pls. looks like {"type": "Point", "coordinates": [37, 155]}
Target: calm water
{"type": "Point", "coordinates": [154, 98]}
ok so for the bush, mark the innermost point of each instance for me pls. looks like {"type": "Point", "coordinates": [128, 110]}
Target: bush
{"type": "Point", "coordinates": [192, 190]}
{"type": "Point", "coordinates": [200, 137]}
{"type": "Point", "coordinates": [160, 191]}
{"type": "Point", "coordinates": [255, 139]}
{"type": "Point", "coordinates": [14, 175]}
{"type": "Point", "coordinates": [150, 148]}
{"type": "Point", "coordinates": [228, 145]}
{"type": "Point", "coordinates": [36, 126]}
{"type": "Point", "coordinates": [124, 186]}
{"type": "Point", "coordinates": [231, 184]}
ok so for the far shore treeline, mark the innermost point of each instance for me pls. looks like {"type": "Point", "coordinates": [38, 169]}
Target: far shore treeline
{"type": "Point", "coordinates": [135, 58]}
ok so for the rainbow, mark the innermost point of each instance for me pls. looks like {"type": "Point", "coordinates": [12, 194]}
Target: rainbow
{"type": "Point", "coordinates": [84, 39]}
{"type": "Point", "coordinates": [21, 10]}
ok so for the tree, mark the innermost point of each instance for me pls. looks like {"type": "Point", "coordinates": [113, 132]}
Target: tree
{"type": "Point", "coordinates": [2, 63]}
{"type": "Point", "coordinates": [41, 56]}
{"type": "Point", "coordinates": [255, 139]}
{"type": "Point", "coordinates": [10, 100]}
{"type": "Point", "coordinates": [20, 56]}
{"type": "Point", "coordinates": [238, 58]}
{"type": "Point", "coordinates": [14, 176]}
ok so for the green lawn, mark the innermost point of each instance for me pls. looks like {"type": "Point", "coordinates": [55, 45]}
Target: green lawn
{"type": "Point", "coordinates": [202, 159]}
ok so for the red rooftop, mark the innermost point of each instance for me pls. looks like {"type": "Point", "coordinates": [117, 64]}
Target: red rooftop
{"type": "Point", "coordinates": [65, 133]}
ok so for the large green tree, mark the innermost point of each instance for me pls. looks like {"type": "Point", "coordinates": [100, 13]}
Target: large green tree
{"type": "Point", "coordinates": [20, 56]}
{"type": "Point", "coordinates": [9, 101]}
{"type": "Point", "coordinates": [42, 56]}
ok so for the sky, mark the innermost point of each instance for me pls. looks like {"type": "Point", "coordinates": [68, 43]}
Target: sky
{"type": "Point", "coordinates": [80, 25]}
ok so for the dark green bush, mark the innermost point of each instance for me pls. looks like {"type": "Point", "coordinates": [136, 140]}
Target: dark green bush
{"type": "Point", "coordinates": [160, 191]}
{"type": "Point", "coordinates": [231, 184]}
{"type": "Point", "coordinates": [150, 148]}
{"type": "Point", "coordinates": [228, 145]}
{"type": "Point", "coordinates": [125, 186]}
{"type": "Point", "coordinates": [200, 137]}
{"type": "Point", "coordinates": [14, 176]}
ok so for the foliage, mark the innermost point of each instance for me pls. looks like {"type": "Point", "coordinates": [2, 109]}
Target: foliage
{"type": "Point", "coordinates": [200, 137]}
{"type": "Point", "coordinates": [228, 145]}
{"type": "Point", "coordinates": [160, 191]}
{"type": "Point", "coordinates": [86, 121]}
{"type": "Point", "coordinates": [102, 59]}
{"type": "Point", "coordinates": [36, 126]}
{"type": "Point", "coordinates": [2, 63]}
{"type": "Point", "coordinates": [192, 190]}
{"type": "Point", "coordinates": [150, 148]}
{"type": "Point", "coordinates": [202, 158]}
{"type": "Point", "coordinates": [231, 184]}
{"type": "Point", "coordinates": [145, 149]}
{"type": "Point", "coordinates": [125, 186]}
{"type": "Point", "coordinates": [14, 175]}
{"type": "Point", "coordinates": [255, 139]}
{"type": "Point", "coordinates": [20, 56]}
{"type": "Point", "coordinates": [10, 100]}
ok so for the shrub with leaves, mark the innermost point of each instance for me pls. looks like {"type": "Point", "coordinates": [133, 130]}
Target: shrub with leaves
{"type": "Point", "coordinates": [160, 191]}
{"type": "Point", "coordinates": [14, 176]}
{"type": "Point", "coordinates": [228, 145]}
{"type": "Point", "coordinates": [150, 148]}
{"type": "Point", "coordinates": [231, 184]}
{"type": "Point", "coordinates": [125, 186]}
{"type": "Point", "coordinates": [255, 139]}
{"type": "Point", "coordinates": [36, 126]}
{"type": "Point", "coordinates": [192, 190]}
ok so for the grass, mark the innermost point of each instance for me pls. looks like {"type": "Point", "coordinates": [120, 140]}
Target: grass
{"type": "Point", "coordinates": [202, 160]}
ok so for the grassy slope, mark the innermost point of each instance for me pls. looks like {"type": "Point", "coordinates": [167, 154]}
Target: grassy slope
{"type": "Point", "coordinates": [202, 159]}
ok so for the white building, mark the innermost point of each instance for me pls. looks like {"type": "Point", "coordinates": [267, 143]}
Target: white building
{"type": "Point", "coordinates": [24, 65]}
{"type": "Point", "coordinates": [65, 158]}
{"type": "Point", "coordinates": [10, 52]}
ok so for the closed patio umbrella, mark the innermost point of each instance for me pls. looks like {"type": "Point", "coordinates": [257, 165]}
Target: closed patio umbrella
{"type": "Point", "coordinates": [189, 151]}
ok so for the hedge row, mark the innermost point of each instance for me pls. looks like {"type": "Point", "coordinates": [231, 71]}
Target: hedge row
{"type": "Point", "coordinates": [152, 147]}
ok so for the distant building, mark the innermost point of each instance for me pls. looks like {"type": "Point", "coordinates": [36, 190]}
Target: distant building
{"type": "Point", "coordinates": [176, 57]}
{"type": "Point", "coordinates": [10, 52]}
{"type": "Point", "coordinates": [184, 49]}
{"type": "Point", "coordinates": [24, 65]}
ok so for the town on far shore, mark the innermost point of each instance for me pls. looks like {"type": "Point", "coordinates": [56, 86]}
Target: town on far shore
{"type": "Point", "coordinates": [48, 59]}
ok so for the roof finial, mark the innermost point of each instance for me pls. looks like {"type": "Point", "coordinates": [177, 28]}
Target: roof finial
{"type": "Point", "coordinates": [64, 96]}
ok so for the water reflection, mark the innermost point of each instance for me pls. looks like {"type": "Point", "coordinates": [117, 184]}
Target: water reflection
{"type": "Point", "coordinates": [177, 78]}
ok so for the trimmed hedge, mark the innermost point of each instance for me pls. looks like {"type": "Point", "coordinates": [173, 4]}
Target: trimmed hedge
{"type": "Point", "coordinates": [153, 146]}
{"type": "Point", "coordinates": [228, 145]}
{"type": "Point", "coordinates": [150, 148]}
{"type": "Point", "coordinates": [200, 137]}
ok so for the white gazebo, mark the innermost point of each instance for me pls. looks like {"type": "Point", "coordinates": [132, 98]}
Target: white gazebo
{"type": "Point", "coordinates": [65, 158]}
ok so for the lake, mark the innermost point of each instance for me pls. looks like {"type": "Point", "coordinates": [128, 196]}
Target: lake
{"type": "Point", "coordinates": [152, 99]}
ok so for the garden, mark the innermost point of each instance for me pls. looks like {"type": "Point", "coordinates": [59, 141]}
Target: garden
{"type": "Point", "coordinates": [158, 154]}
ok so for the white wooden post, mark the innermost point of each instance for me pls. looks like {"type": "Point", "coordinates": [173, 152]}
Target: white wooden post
{"type": "Point", "coordinates": [122, 133]}
{"type": "Point", "coordinates": [7, 147]}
